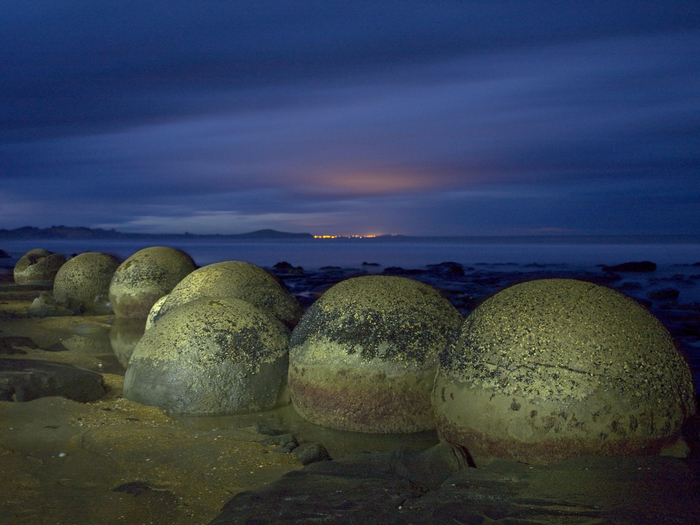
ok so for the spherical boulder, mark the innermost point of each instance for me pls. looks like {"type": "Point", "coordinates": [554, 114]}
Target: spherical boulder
{"type": "Point", "coordinates": [83, 282]}
{"type": "Point", "coordinates": [364, 356]}
{"type": "Point", "coordinates": [210, 357]}
{"type": "Point", "coordinates": [234, 280]}
{"type": "Point", "coordinates": [556, 368]}
{"type": "Point", "coordinates": [38, 265]}
{"type": "Point", "coordinates": [145, 277]}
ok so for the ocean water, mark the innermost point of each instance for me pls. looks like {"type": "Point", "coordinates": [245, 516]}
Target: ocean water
{"type": "Point", "coordinates": [408, 254]}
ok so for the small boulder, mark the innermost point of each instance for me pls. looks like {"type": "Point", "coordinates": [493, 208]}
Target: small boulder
{"type": "Point", "coordinates": [364, 356]}
{"type": "Point", "coordinates": [556, 368]}
{"type": "Point", "coordinates": [145, 277]}
{"type": "Point", "coordinates": [234, 280]}
{"type": "Point", "coordinates": [82, 284]}
{"type": "Point", "coordinates": [46, 306]}
{"type": "Point", "coordinates": [210, 357]}
{"type": "Point", "coordinates": [38, 266]}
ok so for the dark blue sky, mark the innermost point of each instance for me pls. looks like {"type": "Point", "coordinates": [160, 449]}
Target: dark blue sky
{"type": "Point", "coordinates": [439, 117]}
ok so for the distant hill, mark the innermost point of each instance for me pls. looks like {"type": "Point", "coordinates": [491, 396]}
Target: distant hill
{"type": "Point", "coordinates": [82, 233]}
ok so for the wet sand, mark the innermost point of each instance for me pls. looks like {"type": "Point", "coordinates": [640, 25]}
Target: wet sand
{"type": "Point", "coordinates": [114, 461]}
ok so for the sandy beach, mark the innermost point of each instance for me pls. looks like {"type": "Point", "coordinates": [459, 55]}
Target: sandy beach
{"type": "Point", "coordinates": [115, 461]}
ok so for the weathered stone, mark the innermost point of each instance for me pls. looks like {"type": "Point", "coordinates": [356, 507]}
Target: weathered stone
{"type": "Point", "coordinates": [38, 265]}
{"type": "Point", "coordinates": [210, 357]}
{"type": "Point", "coordinates": [26, 379]}
{"type": "Point", "coordinates": [83, 282]}
{"type": "Point", "coordinates": [557, 368]}
{"type": "Point", "coordinates": [145, 277]}
{"type": "Point", "coordinates": [234, 280]}
{"type": "Point", "coordinates": [46, 306]}
{"type": "Point", "coordinates": [364, 356]}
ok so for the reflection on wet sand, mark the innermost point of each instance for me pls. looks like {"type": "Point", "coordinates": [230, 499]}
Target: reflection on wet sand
{"type": "Point", "coordinates": [114, 461]}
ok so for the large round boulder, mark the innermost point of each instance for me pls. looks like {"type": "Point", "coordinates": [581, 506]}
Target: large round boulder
{"type": "Point", "coordinates": [38, 265]}
{"type": "Point", "coordinates": [551, 369]}
{"type": "Point", "coordinates": [364, 356]}
{"type": "Point", "coordinates": [234, 280]}
{"type": "Point", "coordinates": [210, 357]}
{"type": "Point", "coordinates": [145, 277]}
{"type": "Point", "coordinates": [82, 284]}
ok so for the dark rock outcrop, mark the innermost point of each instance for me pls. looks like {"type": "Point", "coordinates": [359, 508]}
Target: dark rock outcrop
{"type": "Point", "coordinates": [27, 379]}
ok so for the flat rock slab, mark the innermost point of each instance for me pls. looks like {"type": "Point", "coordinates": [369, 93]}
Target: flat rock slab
{"type": "Point", "coordinates": [27, 379]}
{"type": "Point", "coordinates": [393, 488]}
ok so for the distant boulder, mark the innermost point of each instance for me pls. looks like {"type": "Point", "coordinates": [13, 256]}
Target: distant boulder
{"type": "Point", "coordinates": [38, 265]}
{"type": "Point", "coordinates": [4, 254]}
{"type": "Point", "coordinates": [233, 280]}
{"type": "Point", "coordinates": [284, 268]}
{"type": "Point", "coordinates": [447, 268]}
{"type": "Point", "coordinates": [641, 266]}
{"type": "Point", "coordinates": [145, 277]}
{"type": "Point", "coordinates": [82, 284]}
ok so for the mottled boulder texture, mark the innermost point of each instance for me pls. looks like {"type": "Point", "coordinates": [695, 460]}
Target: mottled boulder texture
{"type": "Point", "coordinates": [82, 284]}
{"type": "Point", "coordinates": [364, 356]}
{"type": "Point", "coordinates": [37, 266]}
{"type": "Point", "coordinates": [556, 368]}
{"type": "Point", "coordinates": [210, 357]}
{"type": "Point", "coordinates": [145, 277]}
{"type": "Point", "coordinates": [233, 280]}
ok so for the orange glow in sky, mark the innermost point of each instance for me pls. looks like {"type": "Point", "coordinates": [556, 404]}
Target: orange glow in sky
{"type": "Point", "coordinates": [375, 183]}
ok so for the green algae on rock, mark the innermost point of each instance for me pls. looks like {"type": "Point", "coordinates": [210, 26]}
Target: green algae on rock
{"type": "Point", "coordinates": [234, 280]}
{"type": "Point", "coordinates": [83, 282]}
{"type": "Point", "coordinates": [210, 357]}
{"type": "Point", "coordinates": [145, 277]}
{"type": "Point", "coordinates": [38, 265]}
{"type": "Point", "coordinates": [556, 368]}
{"type": "Point", "coordinates": [364, 356]}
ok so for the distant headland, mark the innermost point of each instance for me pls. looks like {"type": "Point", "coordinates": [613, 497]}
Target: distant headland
{"type": "Point", "coordinates": [82, 233]}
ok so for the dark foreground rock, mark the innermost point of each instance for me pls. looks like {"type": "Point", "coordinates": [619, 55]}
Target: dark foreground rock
{"type": "Point", "coordinates": [435, 486]}
{"type": "Point", "coordinates": [27, 379]}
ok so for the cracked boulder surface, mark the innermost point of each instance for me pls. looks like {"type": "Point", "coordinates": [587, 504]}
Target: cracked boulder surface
{"type": "Point", "coordinates": [145, 277]}
{"type": "Point", "coordinates": [233, 280]}
{"type": "Point", "coordinates": [210, 357]}
{"type": "Point", "coordinates": [551, 369]}
{"type": "Point", "coordinates": [82, 284]}
{"type": "Point", "coordinates": [38, 266]}
{"type": "Point", "coordinates": [364, 356]}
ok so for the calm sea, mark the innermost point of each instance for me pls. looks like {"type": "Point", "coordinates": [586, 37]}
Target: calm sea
{"type": "Point", "coordinates": [407, 254]}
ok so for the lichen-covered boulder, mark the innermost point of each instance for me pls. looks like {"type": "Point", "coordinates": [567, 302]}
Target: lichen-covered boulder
{"type": "Point", "coordinates": [82, 284]}
{"type": "Point", "coordinates": [145, 277]}
{"type": "Point", "coordinates": [551, 369]}
{"type": "Point", "coordinates": [234, 280]}
{"type": "Point", "coordinates": [210, 357]}
{"type": "Point", "coordinates": [38, 265]}
{"type": "Point", "coordinates": [364, 356]}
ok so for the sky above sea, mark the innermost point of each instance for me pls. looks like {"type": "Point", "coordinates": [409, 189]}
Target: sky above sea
{"type": "Point", "coordinates": [440, 117]}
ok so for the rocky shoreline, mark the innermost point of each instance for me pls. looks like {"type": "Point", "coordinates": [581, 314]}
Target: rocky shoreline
{"type": "Point", "coordinates": [111, 460]}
